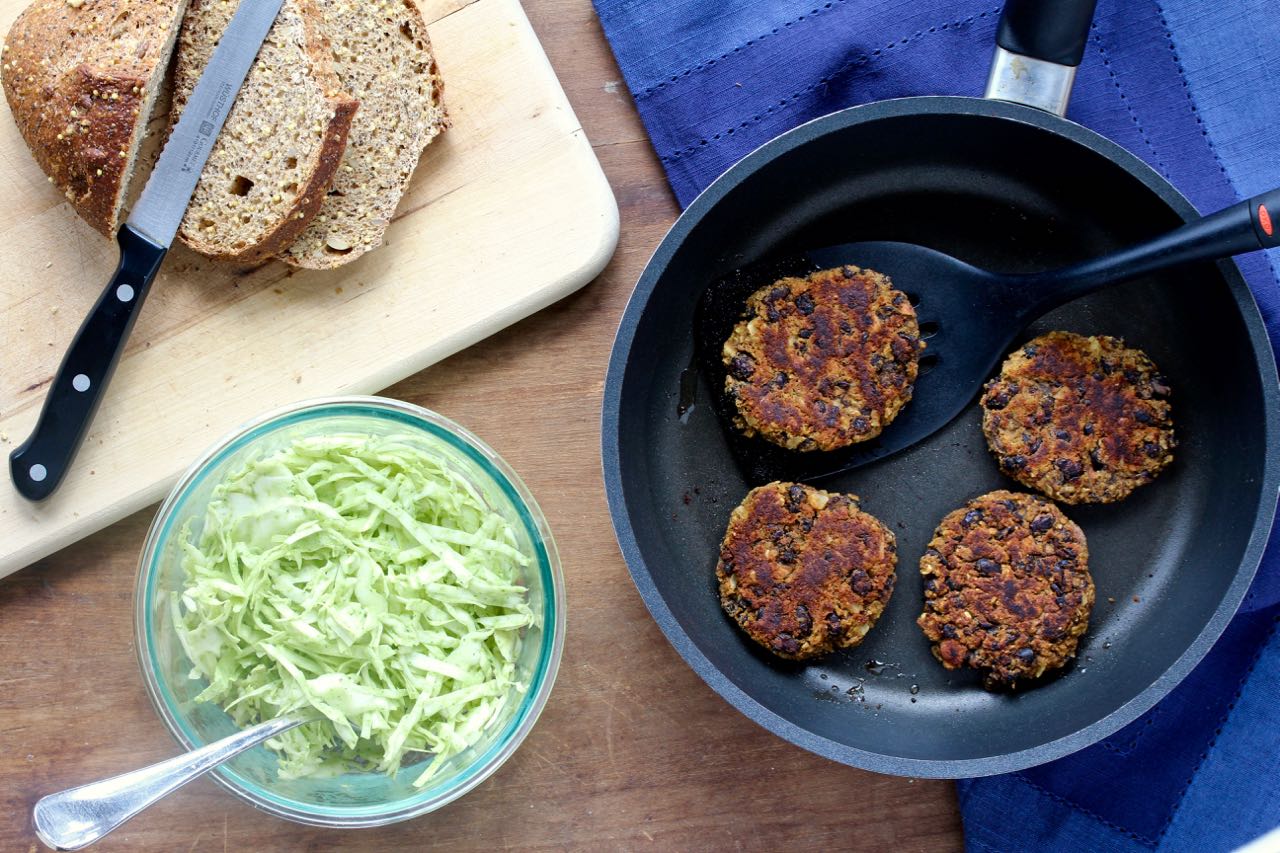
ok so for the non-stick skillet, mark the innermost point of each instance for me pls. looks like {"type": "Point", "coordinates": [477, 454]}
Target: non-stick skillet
{"type": "Point", "coordinates": [1006, 185]}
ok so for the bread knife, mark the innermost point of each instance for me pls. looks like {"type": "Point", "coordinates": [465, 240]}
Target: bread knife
{"type": "Point", "coordinates": [38, 466]}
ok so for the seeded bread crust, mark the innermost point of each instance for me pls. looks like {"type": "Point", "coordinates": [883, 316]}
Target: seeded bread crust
{"type": "Point", "coordinates": [81, 77]}
{"type": "Point", "coordinates": [282, 142]}
{"type": "Point", "coordinates": [382, 55]}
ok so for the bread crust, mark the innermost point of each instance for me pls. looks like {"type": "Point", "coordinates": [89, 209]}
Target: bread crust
{"type": "Point", "coordinates": [309, 251]}
{"type": "Point", "coordinates": [80, 116]}
{"type": "Point", "coordinates": [296, 217]}
{"type": "Point", "coordinates": [304, 209]}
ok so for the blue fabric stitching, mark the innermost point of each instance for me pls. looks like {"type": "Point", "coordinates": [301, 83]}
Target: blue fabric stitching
{"type": "Point", "coordinates": [1204, 131]}
{"type": "Point", "coordinates": [705, 64]}
{"type": "Point", "coordinates": [1133, 115]}
{"type": "Point", "coordinates": [1168, 821]}
{"type": "Point", "coordinates": [790, 99]}
{"type": "Point", "coordinates": [1132, 744]}
{"type": "Point", "coordinates": [1061, 800]}
{"type": "Point", "coordinates": [1222, 721]}
{"type": "Point", "coordinates": [1186, 90]}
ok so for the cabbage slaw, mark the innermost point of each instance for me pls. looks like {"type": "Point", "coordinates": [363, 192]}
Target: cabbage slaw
{"type": "Point", "coordinates": [362, 579]}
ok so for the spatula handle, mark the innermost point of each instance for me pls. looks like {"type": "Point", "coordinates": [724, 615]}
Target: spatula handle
{"type": "Point", "coordinates": [1234, 230]}
{"type": "Point", "coordinates": [38, 465]}
{"type": "Point", "coordinates": [1264, 210]}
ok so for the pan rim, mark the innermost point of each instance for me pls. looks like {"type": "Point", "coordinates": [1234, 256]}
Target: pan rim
{"type": "Point", "coordinates": [670, 626]}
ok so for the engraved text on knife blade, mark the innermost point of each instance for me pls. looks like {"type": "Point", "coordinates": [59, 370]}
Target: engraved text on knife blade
{"type": "Point", "coordinates": [165, 197]}
{"type": "Point", "coordinates": [197, 154]}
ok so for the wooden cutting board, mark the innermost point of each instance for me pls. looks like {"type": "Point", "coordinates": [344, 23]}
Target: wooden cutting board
{"type": "Point", "coordinates": [507, 212]}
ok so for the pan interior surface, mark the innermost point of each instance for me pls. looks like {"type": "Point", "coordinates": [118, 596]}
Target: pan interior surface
{"type": "Point", "coordinates": [1170, 563]}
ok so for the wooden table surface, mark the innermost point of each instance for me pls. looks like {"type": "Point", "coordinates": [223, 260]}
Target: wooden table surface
{"type": "Point", "coordinates": [633, 750]}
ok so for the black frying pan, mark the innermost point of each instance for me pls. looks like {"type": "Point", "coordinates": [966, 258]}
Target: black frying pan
{"type": "Point", "coordinates": [1006, 187]}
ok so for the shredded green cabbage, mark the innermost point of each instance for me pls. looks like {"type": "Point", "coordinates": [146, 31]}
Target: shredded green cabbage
{"type": "Point", "coordinates": [360, 578]}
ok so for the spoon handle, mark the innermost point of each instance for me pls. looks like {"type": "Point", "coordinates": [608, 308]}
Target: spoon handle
{"type": "Point", "coordinates": [77, 817]}
{"type": "Point", "coordinates": [1242, 227]}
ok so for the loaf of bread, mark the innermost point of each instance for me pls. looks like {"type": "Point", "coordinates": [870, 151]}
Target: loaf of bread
{"type": "Point", "coordinates": [318, 148]}
{"type": "Point", "coordinates": [81, 77]}
{"type": "Point", "coordinates": [383, 57]}
{"type": "Point", "coordinates": [269, 169]}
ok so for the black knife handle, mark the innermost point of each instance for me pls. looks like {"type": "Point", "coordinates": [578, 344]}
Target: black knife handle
{"type": "Point", "coordinates": [38, 465]}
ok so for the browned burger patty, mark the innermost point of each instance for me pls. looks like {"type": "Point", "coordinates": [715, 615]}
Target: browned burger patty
{"type": "Point", "coordinates": [1006, 588]}
{"type": "Point", "coordinates": [1084, 420]}
{"type": "Point", "coordinates": [805, 571]}
{"type": "Point", "coordinates": [823, 362]}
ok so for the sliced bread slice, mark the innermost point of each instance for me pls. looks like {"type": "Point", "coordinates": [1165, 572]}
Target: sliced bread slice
{"type": "Point", "coordinates": [280, 147]}
{"type": "Point", "coordinates": [383, 57]}
{"type": "Point", "coordinates": [81, 77]}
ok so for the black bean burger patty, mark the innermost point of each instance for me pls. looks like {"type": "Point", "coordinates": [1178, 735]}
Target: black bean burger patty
{"type": "Point", "coordinates": [822, 362]}
{"type": "Point", "coordinates": [804, 571]}
{"type": "Point", "coordinates": [1083, 420]}
{"type": "Point", "coordinates": [1006, 588]}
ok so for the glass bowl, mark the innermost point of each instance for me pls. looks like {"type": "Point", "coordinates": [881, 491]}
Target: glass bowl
{"type": "Point", "coordinates": [352, 799]}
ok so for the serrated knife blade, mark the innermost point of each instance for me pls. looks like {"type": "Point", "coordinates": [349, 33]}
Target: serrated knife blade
{"type": "Point", "coordinates": [167, 193]}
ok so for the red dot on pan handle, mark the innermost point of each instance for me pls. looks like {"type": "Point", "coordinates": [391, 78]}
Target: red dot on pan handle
{"type": "Point", "coordinates": [1264, 219]}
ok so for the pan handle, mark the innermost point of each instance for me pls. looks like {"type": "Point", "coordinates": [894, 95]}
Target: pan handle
{"type": "Point", "coordinates": [1038, 46]}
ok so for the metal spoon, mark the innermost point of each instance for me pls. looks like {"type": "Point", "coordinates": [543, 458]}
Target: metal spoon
{"type": "Point", "coordinates": [969, 315]}
{"type": "Point", "coordinates": [77, 817]}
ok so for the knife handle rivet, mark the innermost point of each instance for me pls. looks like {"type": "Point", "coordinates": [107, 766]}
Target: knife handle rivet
{"type": "Point", "coordinates": [124, 293]}
{"type": "Point", "coordinates": [38, 473]}
{"type": "Point", "coordinates": [80, 382]}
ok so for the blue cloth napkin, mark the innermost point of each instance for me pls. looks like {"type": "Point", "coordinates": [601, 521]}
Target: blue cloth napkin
{"type": "Point", "coordinates": [1193, 88]}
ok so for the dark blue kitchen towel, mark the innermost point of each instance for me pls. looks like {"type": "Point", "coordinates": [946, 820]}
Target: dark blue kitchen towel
{"type": "Point", "coordinates": [1192, 87]}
